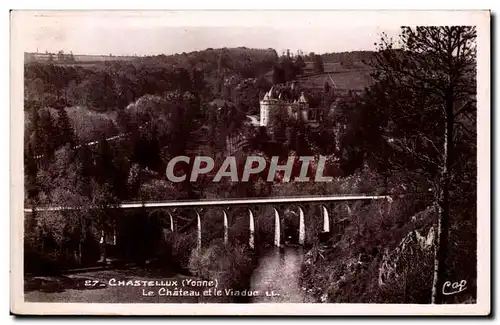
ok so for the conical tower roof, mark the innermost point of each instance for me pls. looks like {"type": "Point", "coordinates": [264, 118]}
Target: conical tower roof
{"type": "Point", "coordinates": [271, 93]}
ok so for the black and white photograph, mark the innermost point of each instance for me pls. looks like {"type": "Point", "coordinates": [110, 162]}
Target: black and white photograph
{"type": "Point", "coordinates": [250, 162]}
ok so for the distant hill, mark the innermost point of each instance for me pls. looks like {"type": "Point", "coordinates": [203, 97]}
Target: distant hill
{"type": "Point", "coordinates": [72, 58]}
{"type": "Point", "coordinates": [246, 62]}
{"type": "Point", "coordinates": [243, 61]}
{"type": "Point", "coordinates": [352, 56]}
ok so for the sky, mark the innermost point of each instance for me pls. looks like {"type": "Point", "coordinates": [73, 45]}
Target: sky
{"type": "Point", "coordinates": [153, 32]}
{"type": "Point", "coordinates": [168, 40]}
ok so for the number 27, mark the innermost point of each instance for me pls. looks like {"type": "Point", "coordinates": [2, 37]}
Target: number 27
{"type": "Point", "coordinates": [91, 283]}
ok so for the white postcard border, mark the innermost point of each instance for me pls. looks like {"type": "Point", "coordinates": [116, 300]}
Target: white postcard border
{"type": "Point", "coordinates": [479, 18]}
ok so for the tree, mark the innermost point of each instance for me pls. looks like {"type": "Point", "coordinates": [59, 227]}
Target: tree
{"type": "Point", "coordinates": [34, 89]}
{"type": "Point", "coordinates": [278, 123]}
{"type": "Point", "coordinates": [311, 56]}
{"type": "Point", "coordinates": [65, 130]}
{"type": "Point", "coordinates": [198, 82]}
{"type": "Point", "coordinates": [98, 91]}
{"type": "Point", "coordinates": [65, 189]}
{"type": "Point", "coordinates": [246, 97]}
{"type": "Point", "coordinates": [278, 75]}
{"type": "Point", "coordinates": [71, 93]}
{"type": "Point", "coordinates": [104, 202]}
{"type": "Point", "coordinates": [31, 170]}
{"type": "Point", "coordinates": [126, 89]}
{"type": "Point", "coordinates": [289, 68]}
{"type": "Point", "coordinates": [326, 87]}
{"type": "Point", "coordinates": [347, 61]}
{"type": "Point", "coordinates": [60, 55]}
{"type": "Point", "coordinates": [107, 172]}
{"type": "Point", "coordinates": [299, 64]}
{"type": "Point", "coordinates": [318, 64]}
{"type": "Point", "coordinates": [427, 89]}
{"type": "Point", "coordinates": [45, 132]}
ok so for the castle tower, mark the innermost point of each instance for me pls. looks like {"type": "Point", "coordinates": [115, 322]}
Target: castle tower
{"type": "Point", "coordinates": [265, 105]}
{"type": "Point", "coordinates": [303, 107]}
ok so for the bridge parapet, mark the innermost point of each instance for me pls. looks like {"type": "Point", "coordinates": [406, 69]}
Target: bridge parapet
{"type": "Point", "coordinates": [253, 207]}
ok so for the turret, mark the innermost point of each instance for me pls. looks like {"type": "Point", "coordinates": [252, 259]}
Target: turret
{"type": "Point", "coordinates": [265, 105]}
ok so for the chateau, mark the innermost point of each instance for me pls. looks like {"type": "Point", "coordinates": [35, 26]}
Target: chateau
{"type": "Point", "coordinates": [286, 98]}
{"type": "Point", "coordinates": [283, 99]}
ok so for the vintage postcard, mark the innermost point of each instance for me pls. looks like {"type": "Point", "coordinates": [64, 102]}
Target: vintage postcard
{"type": "Point", "coordinates": [250, 162]}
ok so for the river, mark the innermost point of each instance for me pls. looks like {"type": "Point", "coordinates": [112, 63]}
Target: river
{"type": "Point", "coordinates": [277, 277]}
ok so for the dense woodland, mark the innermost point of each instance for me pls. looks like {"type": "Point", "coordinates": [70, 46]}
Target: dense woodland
{"type": "Point", "coordinates": [411, 132]}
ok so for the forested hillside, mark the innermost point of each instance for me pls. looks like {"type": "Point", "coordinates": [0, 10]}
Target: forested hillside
{"type": "Point", "coordinates": [103, 134]}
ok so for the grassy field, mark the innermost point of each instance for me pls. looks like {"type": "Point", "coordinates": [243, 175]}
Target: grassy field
{"type": "Point", "coordinates": [354, 79]}
{"type": "Point", "coordinates": [333, 67]}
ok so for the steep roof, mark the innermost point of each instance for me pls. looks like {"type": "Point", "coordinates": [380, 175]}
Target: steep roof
{"type": "Point", "coordinates": [270, 94]}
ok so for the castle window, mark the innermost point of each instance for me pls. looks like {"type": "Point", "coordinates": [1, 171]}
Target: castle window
{"type": "Point", "coordinates": [311, 114]}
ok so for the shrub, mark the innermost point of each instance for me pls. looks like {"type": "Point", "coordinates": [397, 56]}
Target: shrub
{"type": "Point", "coordinates": [231, 265]}
{"type": "Point", "coordinates": [40, 264]}
{"type": "Point", "coordinates": [173, 253]}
